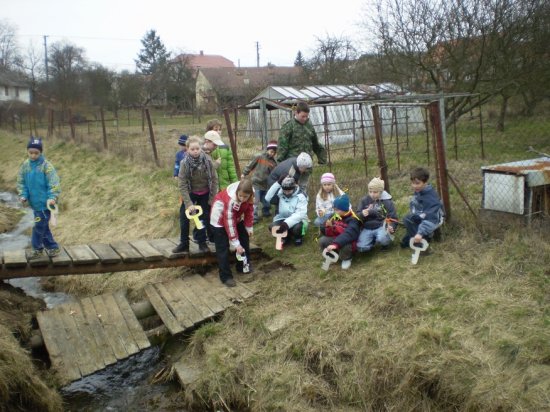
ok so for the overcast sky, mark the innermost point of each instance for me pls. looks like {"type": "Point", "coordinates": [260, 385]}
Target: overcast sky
{"type": "Point", "coordinates": [110, 31]}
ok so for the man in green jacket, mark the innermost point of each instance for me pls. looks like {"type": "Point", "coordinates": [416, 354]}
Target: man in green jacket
{"type": "Point", "coordinates": [298, 135]}
{"type": "Point", "coordinates": [222, 158]}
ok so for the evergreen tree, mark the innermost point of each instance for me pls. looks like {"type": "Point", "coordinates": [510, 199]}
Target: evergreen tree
{"type": "Point", "coordinates": [153, 55]}
{"type": "Point", "coordinates": [299, 61]}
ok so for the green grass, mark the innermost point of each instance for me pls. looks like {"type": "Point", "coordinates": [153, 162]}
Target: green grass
{"type": "Point", "coordinates": [466, 329]}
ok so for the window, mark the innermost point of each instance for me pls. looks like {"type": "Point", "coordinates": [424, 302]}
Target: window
{"type": "Point", "coordinates": [16, 91]}
{"type": "Point", "coordinates": [6, 91]}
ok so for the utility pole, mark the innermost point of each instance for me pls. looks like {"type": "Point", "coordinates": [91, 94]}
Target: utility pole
{"type": "Point", "coordinates": [46, 58]}
{"type": "Point", "coordinates": [257, 54]}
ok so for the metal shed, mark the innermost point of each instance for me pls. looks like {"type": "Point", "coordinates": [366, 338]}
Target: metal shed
{"type": "Point", "coordinates": [339, 109]}
{"type": "Point", "coordinates": [521, 188]}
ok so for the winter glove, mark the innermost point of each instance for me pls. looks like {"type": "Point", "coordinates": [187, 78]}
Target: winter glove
{"type": "Point", "coordinates": [283, 227]}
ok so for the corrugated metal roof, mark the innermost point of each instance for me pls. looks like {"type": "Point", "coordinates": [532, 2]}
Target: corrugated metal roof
{"type": "Point", "coordinates": [537, 170]}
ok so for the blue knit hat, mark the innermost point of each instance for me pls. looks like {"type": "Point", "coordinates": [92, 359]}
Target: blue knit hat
{"type": "Point", "coordinates": [35, 143]}
{"type": "Point", "coordinates": [182, 140]}
{"type": "Point", "coordinates": [342, 203]}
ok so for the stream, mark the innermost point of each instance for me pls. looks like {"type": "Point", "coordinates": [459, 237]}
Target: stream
{"type": "Point", "coordinates": [123, 386]}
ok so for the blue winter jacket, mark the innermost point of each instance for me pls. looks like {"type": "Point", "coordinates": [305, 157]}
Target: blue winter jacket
{"type": "Point", "coordinates": [37, 182]}
{"type": "Point", "coordinates": [427, 205]}
{"type": "Point", "coordinates": [180, 154]}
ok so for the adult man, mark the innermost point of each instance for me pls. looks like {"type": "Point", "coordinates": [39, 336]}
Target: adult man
{"type": "Point", "coordinates": [298, 135]}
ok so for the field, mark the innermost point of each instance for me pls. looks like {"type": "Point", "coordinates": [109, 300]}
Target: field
{"type": "Point", "coordinates": [468, 328]}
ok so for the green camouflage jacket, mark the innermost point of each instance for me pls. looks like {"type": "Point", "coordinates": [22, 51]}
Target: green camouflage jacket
{"type": "Point", "coordinates": [295, 138]}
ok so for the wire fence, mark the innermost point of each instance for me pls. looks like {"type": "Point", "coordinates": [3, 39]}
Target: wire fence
{"type": "Point", "coordinates": [363, 140]}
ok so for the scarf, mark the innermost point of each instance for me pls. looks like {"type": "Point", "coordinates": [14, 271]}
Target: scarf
{"type": "Point", "coordinates": [192, 164]}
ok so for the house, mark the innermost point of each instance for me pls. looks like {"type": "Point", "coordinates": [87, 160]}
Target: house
{"type": "Point", "coordinates": [14, 87]}
{"type": "Point", "coordinates": [224, 86]}
{"type": "Point", "coordinates": [201, 60]}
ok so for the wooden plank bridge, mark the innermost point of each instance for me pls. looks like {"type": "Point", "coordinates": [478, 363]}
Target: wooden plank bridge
{"type": "Point", "coordinates": [103, 258]}
{"type": "Point", "coordinates": [88, 335]}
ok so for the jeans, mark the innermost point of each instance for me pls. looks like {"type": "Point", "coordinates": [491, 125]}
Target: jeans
{"type": "Point", "coordinates": [296, 231]}
{"type": "Point", "coordinates": [415, 224]}
{"type": "Point", "coordinates": [259, 197]}
{"type": "Point", "coordinates": [222, 250]}
{"type": "Point", "coordinates": [199, 235]}
{"type": "Point", "coordinates": [321, 220]}
{"type": "Point", "coordinates": [369, 237]}
{"type": "Point", "coordinates": [41, 235]}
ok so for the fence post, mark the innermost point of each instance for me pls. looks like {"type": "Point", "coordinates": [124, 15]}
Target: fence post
{"type": "Point", "coordinates": [50, 122]}
{"type": "Point", "coordinates": [105, 144]}
{"type": "Point", "coordinates": [363, 138]}
{"type": "Point", "coordinates": [232, 142]}
{"type": "Point", "coordinates": [71, 126]}
{"type": "Point", "coordinates": [152, 137]}
{"type": "Point", "coordinates": [325, 131]}
{"type": "Point", "coordinates": [380, 146]}
{"type": "Point", "coordinates": [441, 161]}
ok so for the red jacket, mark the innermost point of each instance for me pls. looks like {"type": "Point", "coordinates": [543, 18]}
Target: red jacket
{"type": "Point", "coordinates": [227, 212]}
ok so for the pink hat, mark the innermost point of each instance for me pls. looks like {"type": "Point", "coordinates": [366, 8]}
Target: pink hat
{"type": "Point", "coordinates": [328, 178]}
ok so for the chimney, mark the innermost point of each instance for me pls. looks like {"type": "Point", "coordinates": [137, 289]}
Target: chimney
{"type": "Point", "coordinates": [202, 53]}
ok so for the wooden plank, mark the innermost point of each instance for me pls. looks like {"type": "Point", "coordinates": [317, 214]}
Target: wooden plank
{"type": "Point", "coordinates": [73, 341]}
{"type": "Point", "coordinates": [102, 342]}
{"type": "Point", "coordinates": [63, 259]}
{"type": "Point", "coordinates": [216, 291]}
{"type": "Point", "coordinates": [126, 251]}
{"type": "Point", "coordinates": [43, 260]}
{"type": "Point", "coordinates": [122, 328]}
{"type": "Point", "coordinates": [82, 255]}
{"type": "Point", "coordinates": [91, 359]}
{"type": "Point", "coordinates": [131, 321]}
{"type": "Point", "coordinates": [182, 309]}
{"type": "Point", "coordinates": [52, 331]}
{"type": "Point", "coordinates": [244, 290]}
{"type": "Point", "coordinates": [110, 328]}
{"type": "Point", "coordinates": [162, 310]}
{"type": "Point", "coordinates": [148, 252]}
{"type": "Point", "coordinates": [187, 374]}
{"type": "Point", "coordinates": [106, 253]}
{"type": "Point", "coordinates": [233, 295]}
{"type": "Point", "coordinates": [204, 294]}
{"type": "Point", "coordinates": [197, 302]}
{"type": "Point", "coordinates": [165, 247]}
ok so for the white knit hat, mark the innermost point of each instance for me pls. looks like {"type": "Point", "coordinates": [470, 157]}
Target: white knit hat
{"type": "Point", "coordinates": [304, 160]}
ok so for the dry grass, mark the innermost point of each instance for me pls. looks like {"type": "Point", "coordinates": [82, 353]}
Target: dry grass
{"type": "Point", "coordinates": [21, 389]}
{"type": "Point", "coordinates": [466, 329]}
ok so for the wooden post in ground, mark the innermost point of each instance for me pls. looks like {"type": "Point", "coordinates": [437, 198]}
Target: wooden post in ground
{"type": "Point", "coordinates": [380, 146]}
{"type": "Point", "coordinates": [152, 137]}
{"type": "Point", "coordinates": [105, 144]}
{"type": "Point", "coordinates": [232, 142]}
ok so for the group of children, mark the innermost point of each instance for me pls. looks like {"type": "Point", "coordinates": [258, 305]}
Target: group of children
{"type": "Point", "coordinates": [225, 209]}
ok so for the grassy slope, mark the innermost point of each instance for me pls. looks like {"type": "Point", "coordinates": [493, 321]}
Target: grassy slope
{"type": "Point", "coordinates": [468, 328]}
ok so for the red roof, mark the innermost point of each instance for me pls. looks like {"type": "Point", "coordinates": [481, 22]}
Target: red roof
{"type": "Point", "coordinates": [200, 61]}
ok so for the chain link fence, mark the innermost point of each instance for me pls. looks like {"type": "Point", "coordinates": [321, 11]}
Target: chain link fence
{"type": "Point", "coordinates": [484, 177]}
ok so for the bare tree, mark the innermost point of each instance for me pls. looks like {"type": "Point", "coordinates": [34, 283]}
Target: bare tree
{"type": "Point", "coordinates": [333, 61]}
{"type": "Point", "coordinates": [9, 53]}
{"type": "Point", "coordinates": [456, 46]}
{"type": "Point", "coordinates": [67, 62]}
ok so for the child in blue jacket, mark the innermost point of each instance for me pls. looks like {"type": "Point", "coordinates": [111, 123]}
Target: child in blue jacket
{"type": "Point", "coordinates": [180, 154]}
{"type": "Point", "coordinates": [426, 210]}
{"type": "Point", "coordinates": [38, 186]}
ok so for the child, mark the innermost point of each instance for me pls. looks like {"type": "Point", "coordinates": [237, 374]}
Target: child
{"type": "Point", "coordinates": [426, 211]}
{"type": "Point", "coordinates": [198, 184]}
{"type": "Point", "coordinates": [341, 231]}
{"type": "Point", "coordinates": [180, 154]}
{"type": "Point", "coordinates": [323, 202]}
{"type": "Point", "coordinates": [261, 166]}
{"type": "Point", "coordinates": [375, 210]}
{"type": "Point", "coordinates": [231, 220]}
{"type": "Point", "coordinates": [299, 167]}
{"type": "Point", "coordinates": [215, 125]}
{"type": "Point", "coordinates": [292, 214]}
{"type": "Point", "coordinates": [222, 157]}
{"type": "Point", "coordinates": [38, 185]}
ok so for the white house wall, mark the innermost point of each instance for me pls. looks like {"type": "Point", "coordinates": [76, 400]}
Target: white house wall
{"type": "Point", "coordinates": [24, 94]}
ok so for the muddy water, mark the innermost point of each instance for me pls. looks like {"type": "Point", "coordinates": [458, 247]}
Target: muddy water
{"type": "Point", "coordinates": [125, 386]}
